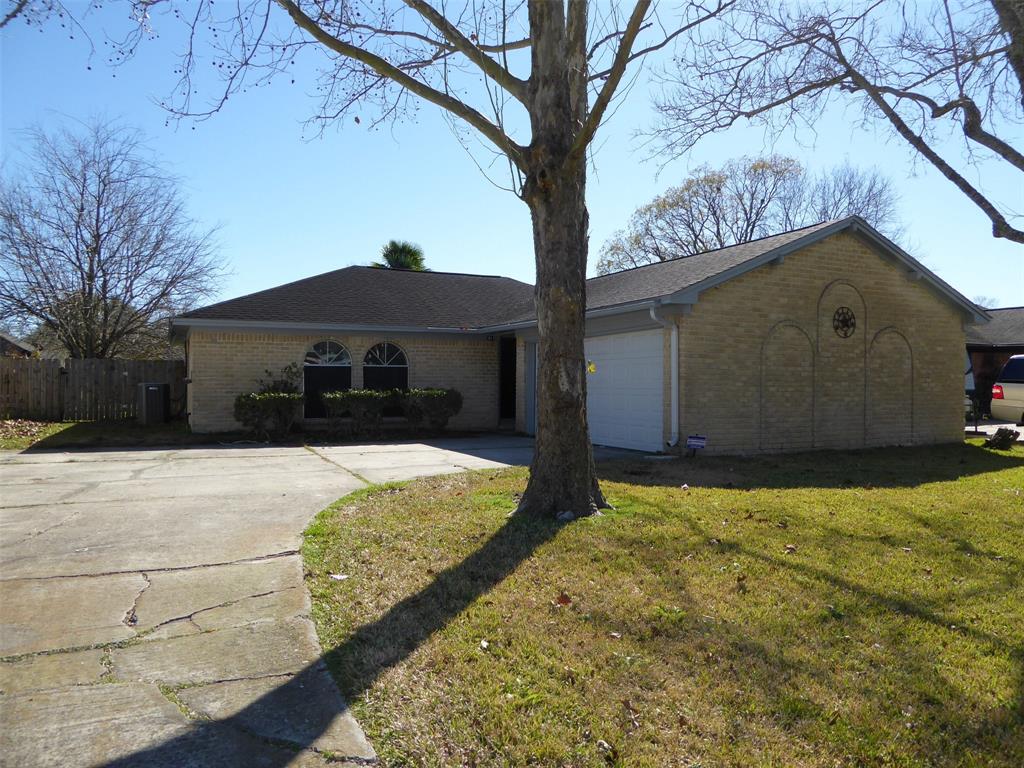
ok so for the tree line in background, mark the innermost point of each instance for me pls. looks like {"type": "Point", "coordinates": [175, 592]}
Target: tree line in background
{"type": "Point", "coordinates": [745, 199]}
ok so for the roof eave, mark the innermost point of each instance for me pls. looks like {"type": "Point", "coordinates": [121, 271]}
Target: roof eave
{"type": "Point", "coordinates": [613, 309]}
{"type": "Point", "coordinates": [920, 271]}
{"type": "Point", "coordinates": [182, 325]}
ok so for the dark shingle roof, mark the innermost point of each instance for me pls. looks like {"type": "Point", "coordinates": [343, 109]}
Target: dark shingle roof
{"type": "Point", "coordinates": [1005, 329]}
{"type": "Point", "coordinates": [387, 297]}
{"type": "Point", "coordinates": [678, 274]}
{"type": "Point", "coordinates": [664, 277]}
{"type": "Point", "coordinates": [365, 296]}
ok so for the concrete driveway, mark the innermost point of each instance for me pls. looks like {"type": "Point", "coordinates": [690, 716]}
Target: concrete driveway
{"type": "Point", "coordinates": [152, 610]}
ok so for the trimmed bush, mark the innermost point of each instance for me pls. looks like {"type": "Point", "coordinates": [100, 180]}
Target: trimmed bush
{"type": "Point", "coordinates": [271, 411]}
{"type": "Point", "coordinates": [268, 414]}
{"type": "Point", "coordinates": [430, 407]}
{"type": "Point", "coordinates": [365, 406]}
{"type": "Point", "coordinates": [433, 406]}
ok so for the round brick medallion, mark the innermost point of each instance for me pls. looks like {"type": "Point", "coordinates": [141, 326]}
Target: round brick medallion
{"type": "Point", "coordinates": [844, 323]}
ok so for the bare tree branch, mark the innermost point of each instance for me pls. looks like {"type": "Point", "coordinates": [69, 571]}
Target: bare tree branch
{"type": "Point", "coordinates": [464, 45]}
{"type": "Point", "coordinates": [388, 70]}
{"type": "Point", "coordinates": [11, 15]}
{"type": "Point", "coordinates": [593, 119]}
{"type": "Point", "coordinates": [921, 69]}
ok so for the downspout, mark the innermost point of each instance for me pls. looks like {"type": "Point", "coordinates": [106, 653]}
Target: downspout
{"type": "Point", "coordinates": [670, 323]}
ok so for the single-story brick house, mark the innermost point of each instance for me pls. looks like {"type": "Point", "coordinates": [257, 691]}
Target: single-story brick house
{"type": "Point", "coordinates": [828, 336]}
{"type": "Point", "coordinates": [990, 345]}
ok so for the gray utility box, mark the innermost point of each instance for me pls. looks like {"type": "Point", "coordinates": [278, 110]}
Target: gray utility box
{"type": "Point", "coordinates": [154, 402]}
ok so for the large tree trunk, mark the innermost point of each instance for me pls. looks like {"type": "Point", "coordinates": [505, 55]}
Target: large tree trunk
{"type": "Point", "coordinates": [562, 477]}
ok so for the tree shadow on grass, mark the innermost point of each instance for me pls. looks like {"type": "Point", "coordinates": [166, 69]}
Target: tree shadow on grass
{"type": "Point", "coordinates": [356, 663]}
{"type": "Point", "coordinates": [873, 468]}
{"type": "Point", "coordinates": [993, 731]}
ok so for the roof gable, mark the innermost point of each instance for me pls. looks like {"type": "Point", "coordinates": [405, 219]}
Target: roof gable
{"type": "Point", "coordinates": [683, 280]}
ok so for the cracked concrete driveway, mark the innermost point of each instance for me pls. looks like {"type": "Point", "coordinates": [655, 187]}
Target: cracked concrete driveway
{"type": "Point", "coordinates": [152, 610]}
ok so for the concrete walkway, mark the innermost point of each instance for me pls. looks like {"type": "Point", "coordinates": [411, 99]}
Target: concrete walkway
{"type": "Point", "coordinates": [152, 609]}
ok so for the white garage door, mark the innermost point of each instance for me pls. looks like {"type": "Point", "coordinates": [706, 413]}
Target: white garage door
{"type": "Point", "coordinates": [624, 394]}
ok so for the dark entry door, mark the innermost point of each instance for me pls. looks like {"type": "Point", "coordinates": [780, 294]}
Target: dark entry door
{"type": "Point", "coordinates": [318, 379]}
{"type": "Point", "coordinates": [507, 377]}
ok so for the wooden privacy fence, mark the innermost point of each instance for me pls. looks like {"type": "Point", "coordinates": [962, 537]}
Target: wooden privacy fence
{"type": "Point", "coordinates": [83, 390]}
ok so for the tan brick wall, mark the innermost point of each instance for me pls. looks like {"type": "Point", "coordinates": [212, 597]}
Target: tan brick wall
{"type": "Point", "coordinates": [520, 384]}
{"type": "Point", "coordinates": [224, 363]}
{"type": "Point", "coordinates": [761, 368]}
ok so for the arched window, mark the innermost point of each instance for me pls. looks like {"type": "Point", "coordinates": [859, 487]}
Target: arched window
{"type": "Point", "coordinates": [327, 368]}
{"type": "Point", "coordinates": [385, 367]}
{"type": "Point", "coordinates": [328, 353]}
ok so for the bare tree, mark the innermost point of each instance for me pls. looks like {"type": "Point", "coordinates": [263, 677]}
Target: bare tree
{"type": "Point", "coordinates": [745, 199]}
{"type": "Point", "coordinates": [95, 244]}
{"type": "Point", "coordinates": [927, 70]}
{"type": "Point", "coordinates": [534, 79]}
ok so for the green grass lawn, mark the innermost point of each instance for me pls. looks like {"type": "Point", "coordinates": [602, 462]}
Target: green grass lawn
{"type": "Point", "coordinates": [823, 609]}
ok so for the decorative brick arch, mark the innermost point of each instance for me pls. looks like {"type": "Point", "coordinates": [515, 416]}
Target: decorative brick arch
{"type": "Point", "coordinates": [862, 319]}
{"type": "Point", "coordinates": [889, 403]}
{"type": "Point", "coordinates": [841, 381]}
{"type": "Point", "coordinates": [786, 398]}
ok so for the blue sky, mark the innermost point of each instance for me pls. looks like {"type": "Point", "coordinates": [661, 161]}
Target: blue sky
{"type": "Point", "coordinates": [291, 204]}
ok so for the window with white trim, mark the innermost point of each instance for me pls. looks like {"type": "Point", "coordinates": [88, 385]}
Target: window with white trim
{"type": "Point", "coordinates": [385, 366]}
{"type": "Point", "coordinates": [327, 368]}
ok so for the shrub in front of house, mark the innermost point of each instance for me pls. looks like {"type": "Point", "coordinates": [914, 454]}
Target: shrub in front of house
{"type": "Point", "coordinates": [271, 411]}
{"type": "Point", "coordinates": [421, 407]}
{"type": "Point", "coordinates": [431, 406]}
{"type": "Point", "coordinates": [365, 406]}
{"type": "Point", "coordinates": [268, 414]}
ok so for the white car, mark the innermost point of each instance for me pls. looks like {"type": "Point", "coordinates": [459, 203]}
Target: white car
{"type": "Point", "coordinates": [1008, 391]}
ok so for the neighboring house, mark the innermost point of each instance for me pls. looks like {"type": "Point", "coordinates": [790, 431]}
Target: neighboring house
{"type": "Point", "coordinates": [825, 337]}
{"type": "Point", "coordinates": [989, 346]}
{"type": "Point", "coordinates": [12, 347]}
